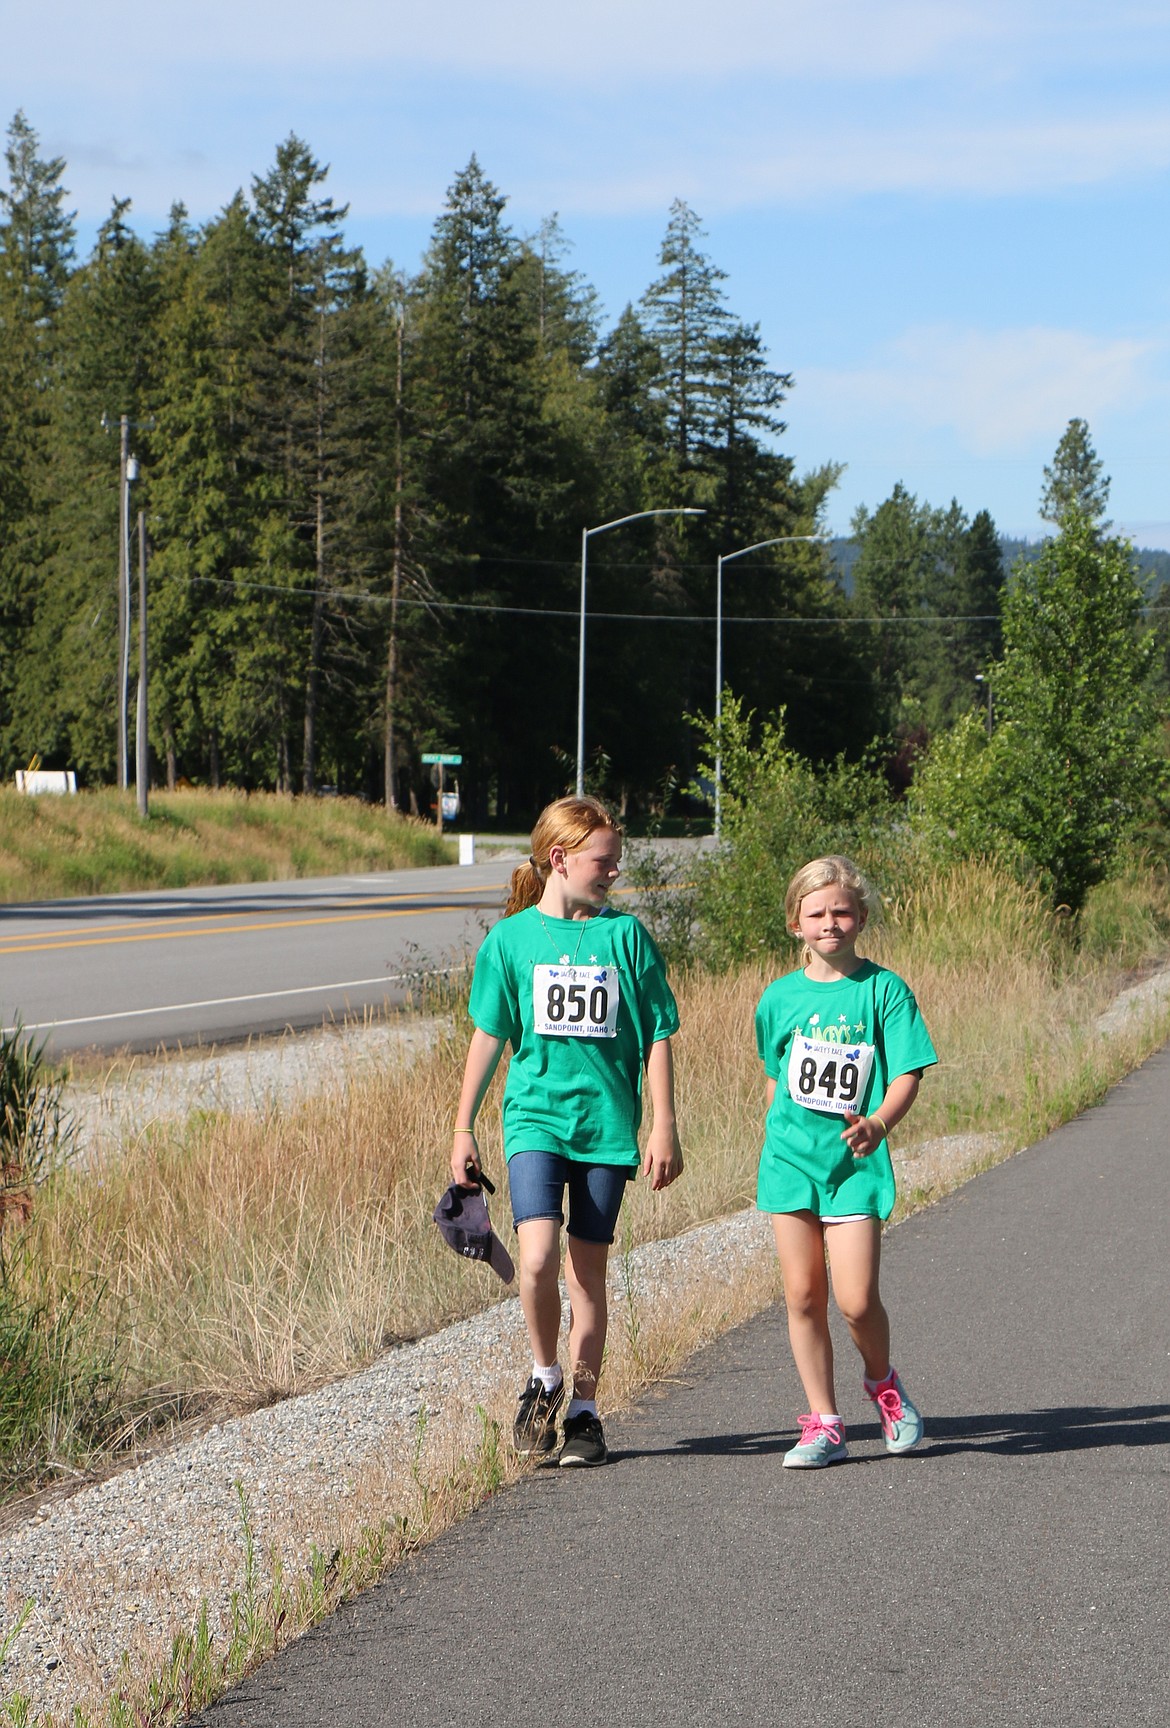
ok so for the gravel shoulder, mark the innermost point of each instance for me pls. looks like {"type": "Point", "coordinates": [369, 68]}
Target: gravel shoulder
{"type": "Point", "coordinates": [122, 1565]}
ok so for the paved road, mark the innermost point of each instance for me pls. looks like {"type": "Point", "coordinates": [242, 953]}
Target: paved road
{"type": "Point", "coordinates": [1015, 1571]}
{"type": "Point", "coordinates": [136, 971]}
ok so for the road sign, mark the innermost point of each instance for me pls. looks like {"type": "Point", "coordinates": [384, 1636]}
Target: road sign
{"type": "Point", "coordinates": [444, 761]}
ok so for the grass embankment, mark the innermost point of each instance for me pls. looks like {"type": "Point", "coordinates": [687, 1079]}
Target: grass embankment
{"type": "Point", "coordinates": [233, 1259]}
{"type": "Point", "coordinates": [96, 843]}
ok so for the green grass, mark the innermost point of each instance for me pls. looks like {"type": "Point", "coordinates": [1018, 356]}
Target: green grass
{"type": "Point", "coordinates": [96, 843]}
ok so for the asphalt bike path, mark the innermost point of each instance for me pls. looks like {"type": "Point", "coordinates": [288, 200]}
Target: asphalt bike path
{"type": "Point", "coordinates": [1014, 1569]}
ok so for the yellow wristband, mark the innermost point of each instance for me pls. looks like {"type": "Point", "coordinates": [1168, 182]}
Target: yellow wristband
{"type": "Point", "coordinates": [874, 1117]}
{"type": "Point", "coordinates": [464, 1130]}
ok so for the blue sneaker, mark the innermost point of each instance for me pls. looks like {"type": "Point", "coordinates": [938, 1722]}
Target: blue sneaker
{"type": "Point", "coordinates": [901, 1419]}
{"type": "Point", "coordinates": [820, 1443]}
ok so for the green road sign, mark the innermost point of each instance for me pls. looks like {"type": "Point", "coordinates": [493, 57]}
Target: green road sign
{"type": "Point", "coordinates": [444, 761]}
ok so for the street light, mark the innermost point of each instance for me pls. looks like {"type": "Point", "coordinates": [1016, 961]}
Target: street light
{"type": "Point", "coordinates": [981, 678]}
{"type": "Point", "coordinates": [780, 540]}
{"type": "Point", "coordinates": [127, 475]}
{"type": "Point", "coordinates": [586, 534]}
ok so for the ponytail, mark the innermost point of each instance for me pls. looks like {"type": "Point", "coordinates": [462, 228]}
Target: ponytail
{"type": "Point", "coordinates": [527, 887]}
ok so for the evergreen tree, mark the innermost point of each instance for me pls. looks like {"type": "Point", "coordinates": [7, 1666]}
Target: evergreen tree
{"type": "Point", "coordinates": [938, 578]}
{"type": "Point", "coordinates": [509, 480]}
{"type": "Point", "coordinates": [307, 398]}
{"type": "Point", "coordinates": [67, 697]}
{"type": "Point", "coordinates": [890, 579]}
{"type": "Point", "coordinates": [36, 249]}
{"type": "Point", "coordinates": [684, 314]}
{"type": "Point", "coordinates": [1075, 481]}
{"type": "Point", "coordinates": [207, 502]}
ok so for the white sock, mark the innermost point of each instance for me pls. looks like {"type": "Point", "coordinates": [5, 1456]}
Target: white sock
{"type": "Point", "coordinates": [872, 1385]}
{"type": "Point", "coordinates": [550, 1378]}
{"type": "Point", "coordinates": [577, 1407]}
{"type": "Point", "coordinates": [828, 1416]}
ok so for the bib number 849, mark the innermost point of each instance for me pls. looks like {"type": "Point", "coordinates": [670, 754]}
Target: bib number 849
{"type": "Point", "coordinates": [833, 1081]}
{"type": "Point", "coordinates": [827, 1076]}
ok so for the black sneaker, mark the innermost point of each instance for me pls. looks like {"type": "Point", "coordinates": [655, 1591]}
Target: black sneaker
{"type": "Point", "coordinates": [584, 1441]}
{"type": "Point", "coordinates": [535, 1427]}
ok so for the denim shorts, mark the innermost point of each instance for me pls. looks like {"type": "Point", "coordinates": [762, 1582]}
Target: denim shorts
{"type": "Point", "coordinates": [536, 1182]}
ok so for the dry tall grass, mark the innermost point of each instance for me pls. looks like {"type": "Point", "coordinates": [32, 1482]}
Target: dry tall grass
{"type": "Point", "coordinates": [240, 1258]}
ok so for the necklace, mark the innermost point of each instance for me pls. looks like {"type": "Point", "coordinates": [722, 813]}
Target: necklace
{"type": "Point", "coordinates": [564, 958]}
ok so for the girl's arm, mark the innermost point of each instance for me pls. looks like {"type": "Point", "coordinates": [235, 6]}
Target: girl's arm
{"type": "Point", "coordinates": [663, 1160]}
{"type": "Point", "coordinates": [483, 1056]}
{"type": "Point", "coordinates": [866, 1133]}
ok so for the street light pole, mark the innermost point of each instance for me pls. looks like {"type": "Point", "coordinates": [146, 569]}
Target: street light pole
{"type": "Point", "coordinates": [142, 742]}
{"type": "Point", "coordinates": [127, 474]}
{"type": "Point", "coordinates": [586, 535]}
{"type": "Point", "coordinates": [726, 558]}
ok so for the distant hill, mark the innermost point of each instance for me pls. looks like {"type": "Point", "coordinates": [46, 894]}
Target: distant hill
{"type": "Point", "coordinates": [1155, 566]}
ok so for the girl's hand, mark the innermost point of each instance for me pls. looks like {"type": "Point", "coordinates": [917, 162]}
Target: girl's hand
{"type": "Point", "coordinates": [862, 1135]}
{"type": "Point", "coordinates": [465, 1160]}
{"type": "Point", "coordinates": [663, 1160]}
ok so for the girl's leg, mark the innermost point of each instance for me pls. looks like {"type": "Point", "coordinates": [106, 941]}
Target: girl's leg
{"type": "Point", "coordinates": [585, 1264]}
{"type": "Point", "coordinates": [855, 1251]}
{"type": "Point", "coordinates": [800, 1244]}
{"type": "Point", "coordinates": [540, 1295]}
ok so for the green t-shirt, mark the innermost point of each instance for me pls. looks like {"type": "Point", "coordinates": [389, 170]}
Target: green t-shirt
{"type": "Point", "coordinates": [830, 1047]}
{"type": "Point", "coordinates": [580, 1001]}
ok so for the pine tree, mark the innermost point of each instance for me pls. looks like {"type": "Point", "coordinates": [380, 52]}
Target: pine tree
{"type": "Point", "coordinates": [684, 314]}
{"type": "Point", "coordinates": [67, 698]}
{"type": "Point", "coordinates": [1075, 481]}
{"type": "Point", "coordinates": [207, 499]}
{"type": "Point", "coordinates": [36, 251]}
{"type": "Point", "coordinates": [509, 479]}
{"type": "Point", "coordinates": [307, 397]}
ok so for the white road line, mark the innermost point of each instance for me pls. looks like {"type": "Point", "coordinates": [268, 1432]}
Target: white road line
{"type": "Point", "coordinates": [226, 1001]}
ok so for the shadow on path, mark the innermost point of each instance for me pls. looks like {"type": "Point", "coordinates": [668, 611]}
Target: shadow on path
{"type": "Point", "coordinates": [1011, 1433]}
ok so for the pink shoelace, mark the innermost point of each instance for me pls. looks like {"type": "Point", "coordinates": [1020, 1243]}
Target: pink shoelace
{"type": "Point", "coordinates": [889, 1405]}
{"type": "Point", "coordinates": [811, 1428]}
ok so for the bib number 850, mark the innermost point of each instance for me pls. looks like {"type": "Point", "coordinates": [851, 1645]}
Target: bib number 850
{"type": "Point", "coordinates": [575, 1001]}
{"type": "Point", "coordinates": [570, 1003]}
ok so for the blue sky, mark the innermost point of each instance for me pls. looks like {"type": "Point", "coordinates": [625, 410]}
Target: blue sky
{"type": "Point", "coordinates": [950, 220]}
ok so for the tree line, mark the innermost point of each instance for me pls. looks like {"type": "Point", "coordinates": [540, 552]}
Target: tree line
{"type": "Point", "coordinates": [364, 492]}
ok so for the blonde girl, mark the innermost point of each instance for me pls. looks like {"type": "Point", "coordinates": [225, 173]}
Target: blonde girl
{"type": "Point", "coordinates": [844, 1048]}
{"type": "Point", "coordinates": [579, 991]}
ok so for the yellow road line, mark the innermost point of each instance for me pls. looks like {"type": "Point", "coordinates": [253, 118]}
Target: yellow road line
{"type": "Point", "coordinates": [241, 923]}
{"type": "Point", "coordinates": [241, 929]}
{"type": "Point", "coordinates": [137, 924]}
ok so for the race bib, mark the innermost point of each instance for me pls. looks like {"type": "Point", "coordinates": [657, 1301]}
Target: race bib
{"type": "Point", "coordinates": [832, 1077]}
{"type": "Point", "coordinates": [575, 1001]}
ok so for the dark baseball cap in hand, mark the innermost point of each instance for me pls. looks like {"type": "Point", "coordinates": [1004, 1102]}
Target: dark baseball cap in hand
{"type": "Point", "coordinates": [462, 1217]}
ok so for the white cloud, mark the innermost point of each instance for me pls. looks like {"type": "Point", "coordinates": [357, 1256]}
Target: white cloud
{"type": "Point", "coordinates": [597, 41]}
{"type": "Point", "coordinates": [997, 391]}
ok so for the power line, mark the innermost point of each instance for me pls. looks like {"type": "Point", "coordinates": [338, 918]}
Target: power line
{"type": "Point", "coordinates": [353, 595]}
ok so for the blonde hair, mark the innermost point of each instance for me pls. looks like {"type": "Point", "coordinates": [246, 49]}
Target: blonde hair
{"type": "Point", "coordinates": [833, 871]}
{"type": "Point", "coordinates": [569, 822]}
